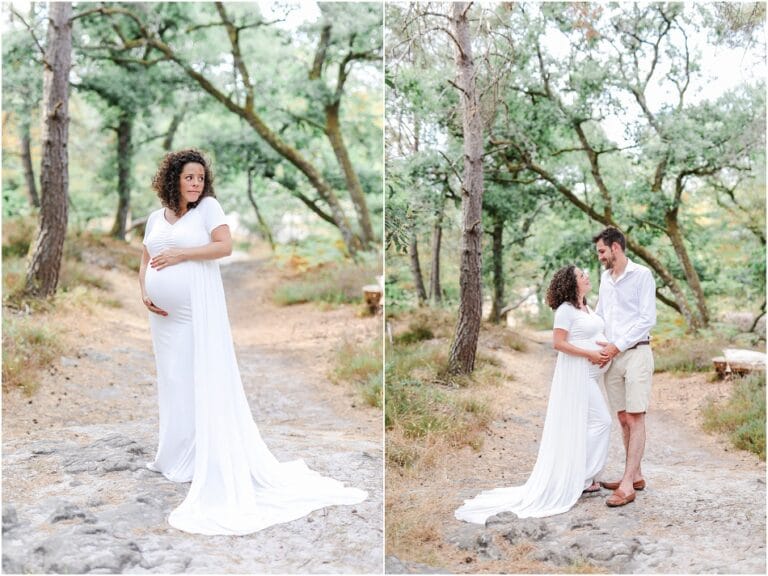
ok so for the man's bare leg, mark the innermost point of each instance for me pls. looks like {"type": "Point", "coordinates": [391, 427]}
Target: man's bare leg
{"type": "Point", "coordinates": [635, 449]}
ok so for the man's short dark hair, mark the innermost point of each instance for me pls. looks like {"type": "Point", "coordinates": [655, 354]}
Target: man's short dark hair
{"type": "Point", "coordinates": [609, 236]}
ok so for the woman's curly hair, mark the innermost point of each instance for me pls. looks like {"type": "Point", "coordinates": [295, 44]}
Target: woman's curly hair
{"type": "Point", "coordinates": [564, 288]}
{"type": "Point", "coordinates": [166, 180]}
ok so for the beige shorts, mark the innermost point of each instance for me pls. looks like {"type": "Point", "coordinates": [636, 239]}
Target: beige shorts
{"type": "Point", "coordinates": [628, 380]}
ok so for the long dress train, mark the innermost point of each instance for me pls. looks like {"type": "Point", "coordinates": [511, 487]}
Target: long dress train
{"type": "Point", "coordinates": [574, 442]}
{"type": "Point", "coordinates": [207, 432]}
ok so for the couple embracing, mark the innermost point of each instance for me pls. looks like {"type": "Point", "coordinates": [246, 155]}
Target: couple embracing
{"type": "Point", "coordinates": [612, 341]}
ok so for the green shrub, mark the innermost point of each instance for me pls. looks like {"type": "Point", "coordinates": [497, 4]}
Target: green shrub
{"type": "Point", "coordinates": [415, 333]}
{"type": "Point", "coordinates": [742, 416]}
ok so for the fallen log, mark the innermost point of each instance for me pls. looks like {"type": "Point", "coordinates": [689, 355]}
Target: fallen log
{"type": "Point", "coordinates": [738, 362]}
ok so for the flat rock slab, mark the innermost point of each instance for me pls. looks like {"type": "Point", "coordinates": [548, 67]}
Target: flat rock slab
{"type": "Point", "coordinates": [78, 498]}
{"type": "Point", "coordinates": [91, 506]}
{"type": "Point", "coordinates": [700, 513]}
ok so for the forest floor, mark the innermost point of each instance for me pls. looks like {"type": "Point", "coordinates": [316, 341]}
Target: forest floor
{"type": "Point", "coordinates": [77, 497]}
{"type": "Point", "coordinates": [703, 510]}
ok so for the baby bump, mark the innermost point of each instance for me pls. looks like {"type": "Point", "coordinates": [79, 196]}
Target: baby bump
{"type": "Point", "coordinates": [592, 344]}
{"type": "Point", "coordinates": [169, 289]}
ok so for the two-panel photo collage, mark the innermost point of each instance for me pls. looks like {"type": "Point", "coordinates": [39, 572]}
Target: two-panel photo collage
{"type": "Point", "coordinates": [298, 287]}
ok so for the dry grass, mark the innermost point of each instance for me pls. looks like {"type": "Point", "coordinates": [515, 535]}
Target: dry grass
{"type": "Point", "coordinates": [29, 346]}
{"type": "Point", "coordinates": [361, 366]}
{"type": "Point", "coordinates": [436, 427]}
{"type": "Point", "coordinates": [742, 416]}
{"type": "Point", "coordinates": [34, 330]}
{"type": "Point", "coordinates": [333, 283]}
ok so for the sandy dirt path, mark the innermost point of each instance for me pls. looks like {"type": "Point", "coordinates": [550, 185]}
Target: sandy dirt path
{"type": "Point", "coordinates": [704, 509]}
{"type": "Point", "coordinates": [76, 495]}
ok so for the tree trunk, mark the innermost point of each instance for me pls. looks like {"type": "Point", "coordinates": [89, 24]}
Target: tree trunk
{"type": "Point", "coordinates": [45, 260]}
{"type": "Point", "coordinates": [498, 269]}
{"type": "Point", "coordinates": [172, 129]}
{"type": "Point", "coordinates": [464, 346]}
{"type": "Point", "coordinates": [265, 231]}
{"type": "Point", "coordinates": [676, 237]}
{"type": "Point", "coordinates": [333, 130]}
{"type": "Point", "coordinates": [29, 172]}
{"type": "Point", "coordinates": [418, 279]}
{"type": "Point", "coordinates": [124, 161]}
{"type": "Point", "coordinates": [435, 290]}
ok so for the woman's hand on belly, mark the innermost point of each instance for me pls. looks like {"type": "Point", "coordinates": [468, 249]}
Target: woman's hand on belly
{"type": "Point", "coordinates": [167, 258]}
{"type": "Point", "coordinates": [151, 306]}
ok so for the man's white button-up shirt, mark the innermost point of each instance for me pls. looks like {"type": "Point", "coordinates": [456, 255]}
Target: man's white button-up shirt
{"type": "Point", "coordinates": [627, 305]}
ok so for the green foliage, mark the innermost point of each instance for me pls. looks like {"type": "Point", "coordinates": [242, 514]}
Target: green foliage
{"type": "Point", "coordinates": [112, 82]}
{"type": "Point", "coordinates": [573, 67]}
{"type": "Point", "coordinates": [415, 333]}
{"type": "Point", "coordinates": [742, 416]}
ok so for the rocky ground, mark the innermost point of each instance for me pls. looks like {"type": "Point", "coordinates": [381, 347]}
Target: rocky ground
{"type": "Point", "coordinates": [78, 499]}
{"type": "Point", "coordinates": [703, 511]}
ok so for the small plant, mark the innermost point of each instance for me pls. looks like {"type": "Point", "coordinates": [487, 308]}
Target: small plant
{"type": "Point", "coordinates": [361, 366]}
{"type": "Point", "coordinates": [415, 333]}
{"type": "Point", "coordinates": [28, 347]}
{"type": "Point", "coordinates": [742, 416]}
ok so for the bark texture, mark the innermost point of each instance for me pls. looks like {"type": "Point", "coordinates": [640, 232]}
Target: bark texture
{"type": "Point", "coordinates": [124, 157]}
{"type": "Point", "coordinates": [45, 261]}
{"type": "Point", "coordinates": [464, 346]}
{"type": "Point", "coordinates": [26, 161]}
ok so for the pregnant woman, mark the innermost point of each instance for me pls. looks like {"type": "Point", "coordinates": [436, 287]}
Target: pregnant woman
{"type": "Point", "coordinates": [574, 443]}
{"type": "Point", "coordinates": [207, 433]}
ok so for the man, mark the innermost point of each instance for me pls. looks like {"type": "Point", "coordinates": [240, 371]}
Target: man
{"type": "Point", "coordinates": [627, 304]}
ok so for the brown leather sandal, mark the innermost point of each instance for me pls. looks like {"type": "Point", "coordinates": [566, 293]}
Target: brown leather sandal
{"type": "Point", "coordinates": [592, 488]}
{"type": "Point", "coordinates": [618, 498]}
{"type": "Point", "coordinates": [639, 485]}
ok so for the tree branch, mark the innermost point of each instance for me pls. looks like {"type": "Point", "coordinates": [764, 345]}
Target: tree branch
{"type": "Point", "coordinates": [234, 40]}
{"type": "Point", "coordinates": [31, 33]}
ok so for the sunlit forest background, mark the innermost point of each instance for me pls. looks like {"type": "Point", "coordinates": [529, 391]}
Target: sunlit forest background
{"type": "Point", "coordinates": [285, 99]}
{"type": "Point", "coordinates": [647, 117]}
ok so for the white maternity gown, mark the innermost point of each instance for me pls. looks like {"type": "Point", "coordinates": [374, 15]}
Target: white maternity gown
{"type": "Point", "coordinates": [207, 433]}
{"type": "Point", "coordinates": [574, 442]}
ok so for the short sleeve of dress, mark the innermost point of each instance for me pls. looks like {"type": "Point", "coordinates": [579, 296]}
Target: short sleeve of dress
{"type": "Point", "coordinates": [213, 214]}
{"type": "Point", "coordinates": [151, 219]}
{"type": "Point", "coordinates": [564, 317]}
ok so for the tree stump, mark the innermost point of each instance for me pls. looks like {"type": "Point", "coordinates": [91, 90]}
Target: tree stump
{"type": "Point", "coordinates": [372, 295]}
